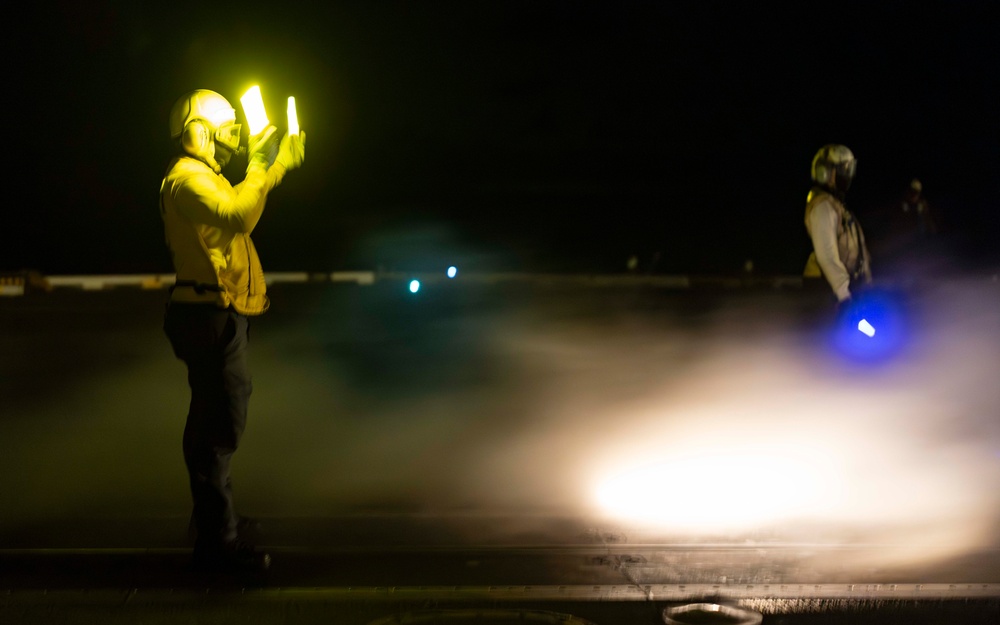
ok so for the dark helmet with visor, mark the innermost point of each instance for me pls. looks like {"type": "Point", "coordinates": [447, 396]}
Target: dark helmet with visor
{"type": "Point", "coordinates": [833, 167]}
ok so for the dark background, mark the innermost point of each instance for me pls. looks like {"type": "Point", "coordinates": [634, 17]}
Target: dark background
{"type": "Point", "coordinates": [527, 135]}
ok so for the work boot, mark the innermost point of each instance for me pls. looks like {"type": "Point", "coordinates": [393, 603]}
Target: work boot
{"type": "Point", "coordinates": [236, 556]}
{"type": "Point", "coordinates": [247, 528]}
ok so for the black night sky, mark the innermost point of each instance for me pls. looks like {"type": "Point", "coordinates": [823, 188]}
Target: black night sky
{"type": "Point", "coordinates": [509, 135]}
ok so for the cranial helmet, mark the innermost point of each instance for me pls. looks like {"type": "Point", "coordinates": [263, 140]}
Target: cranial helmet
{"type": "Point", "coordinates": [199, 117]}
{"type": "Point", "coordinates": [834, 163]}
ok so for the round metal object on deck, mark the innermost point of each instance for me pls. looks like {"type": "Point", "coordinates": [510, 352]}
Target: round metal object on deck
{"type": "Point", "coordinates": [709, 614]}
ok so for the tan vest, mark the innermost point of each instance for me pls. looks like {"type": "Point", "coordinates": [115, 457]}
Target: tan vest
{"type": "Point", "coordinates": [850, 240]}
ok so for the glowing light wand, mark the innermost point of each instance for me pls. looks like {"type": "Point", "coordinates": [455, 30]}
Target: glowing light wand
{"type": "Point", "coordinates": [293, 117]}
{"type": "Point", "coordinates": [253, 106]}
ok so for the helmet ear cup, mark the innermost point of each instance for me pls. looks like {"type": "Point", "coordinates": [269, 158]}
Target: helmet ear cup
{"type": "Point", "coordinates": [822, 175]}
{"type": "Point", "coordinates": [821, 166]}
{"type": "Point", "coordinates": [195, 137]}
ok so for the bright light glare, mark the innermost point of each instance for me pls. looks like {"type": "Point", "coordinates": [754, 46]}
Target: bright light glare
{"type": "Point", "coordinates": [885, 311]}
{"type": "Point", "coordinates": [721, 488]}
{"type": "Point", "coordinates": [293, 117]}
{"type": "Point", "coordinates": [866, 328]}
{"type": "Point", "coordinates": [452, 271]}
{"type": "Point", "coordinates": [414, 286]}
{"type": "Point", "coordinates": [253, 107]}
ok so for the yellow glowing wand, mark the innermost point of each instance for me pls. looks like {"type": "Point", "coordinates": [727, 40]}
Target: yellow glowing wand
{"type": "Point", "coordinates": [253, 106]}
{"type": "Point", "coordinates": [293, 117]}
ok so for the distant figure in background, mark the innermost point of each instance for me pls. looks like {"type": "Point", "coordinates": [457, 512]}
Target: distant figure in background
{"type": "Point", "coordinates": [840, 255]}
{"type": "Point", "coordinates": [913, 216]}
{"type": "Point", "coordinates": [907, 248]}
{"type": "Point", "coordinates": [220, 284]}
{"type": "Point", "coordinates": [653, 262]}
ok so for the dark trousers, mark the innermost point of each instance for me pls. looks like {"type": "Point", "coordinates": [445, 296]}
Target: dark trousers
{"type": "Point", "coordinates": [213, 343]}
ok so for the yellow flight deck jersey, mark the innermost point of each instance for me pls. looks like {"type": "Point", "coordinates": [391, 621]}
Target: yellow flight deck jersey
{"type": "Point", "coordinates": [207, 223]}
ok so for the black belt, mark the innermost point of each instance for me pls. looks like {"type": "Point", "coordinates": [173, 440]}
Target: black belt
{"type": "Point", "coordinates": [199, 287]}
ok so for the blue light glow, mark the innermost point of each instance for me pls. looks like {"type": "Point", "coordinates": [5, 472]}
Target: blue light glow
{"type": "Point", "coordinates": [452, 271]}
{"type": "Point", "coordinates": [414, 286]}
{"type": "Point", "coordinates": [855, 336]}
{"type": "Point", "coordinates": [866, 328]}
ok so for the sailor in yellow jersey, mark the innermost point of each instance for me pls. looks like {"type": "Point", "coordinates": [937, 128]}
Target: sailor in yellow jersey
{"type": "Point", "coordinates": [220, 284]}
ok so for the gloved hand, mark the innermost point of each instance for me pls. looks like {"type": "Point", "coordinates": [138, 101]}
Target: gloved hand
{"type": "Point", "coordinates": [292, 152]}
{"type": "Point", "coordinates": [846, 308]}
{"type": "Point", "coordinates": [263, 148]}
{"type": "Point", "coordinates": [845, 304]}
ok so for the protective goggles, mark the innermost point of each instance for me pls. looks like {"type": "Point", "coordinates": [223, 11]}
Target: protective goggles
{"type": "Point", "coordinates": [229, 135]}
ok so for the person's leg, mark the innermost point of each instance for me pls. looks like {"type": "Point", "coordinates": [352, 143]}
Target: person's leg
{"type": "Point", "coordinates": [236, 390]}
{"type": "Point", "coordinates": [213, 344]}
{"type": "Point", "coordinates": [818, 306]}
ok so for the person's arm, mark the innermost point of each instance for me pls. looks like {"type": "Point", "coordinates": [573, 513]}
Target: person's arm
{"type": "Point", "coordinates": [823, 231]}
{"type": "Point", "coordinates": [205, 199]}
